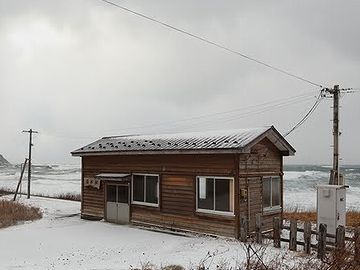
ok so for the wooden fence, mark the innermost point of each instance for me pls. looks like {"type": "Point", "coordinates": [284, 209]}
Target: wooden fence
{"type": "Point", "coordinates": [288, 232]}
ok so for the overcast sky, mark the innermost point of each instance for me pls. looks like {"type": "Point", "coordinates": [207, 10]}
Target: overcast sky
{"type": "Point", "coordinates": [76, 70]}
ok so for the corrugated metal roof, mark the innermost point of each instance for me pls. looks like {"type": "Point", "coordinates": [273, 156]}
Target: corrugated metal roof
{"type": "Point", "coordinates": [235, 139]}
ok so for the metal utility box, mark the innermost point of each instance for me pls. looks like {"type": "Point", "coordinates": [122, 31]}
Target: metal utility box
{"type": "Point", "coordinates": [331, 206]}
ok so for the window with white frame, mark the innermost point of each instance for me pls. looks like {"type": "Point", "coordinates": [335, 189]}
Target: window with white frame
{"type": "Point", "coordinates": [215, 194]}
{"type": "Point", "coordinates": [271, 192]}
{"type": "Point", "coordinates": [145, 189]}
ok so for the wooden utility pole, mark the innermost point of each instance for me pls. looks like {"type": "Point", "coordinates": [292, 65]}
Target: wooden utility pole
{"type": "Point", "coordinates": [30, 131]}
{"type": "Point", "coordinates": [335, 176]}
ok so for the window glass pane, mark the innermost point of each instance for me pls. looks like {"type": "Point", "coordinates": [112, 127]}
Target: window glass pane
{"type": "Point", "coordinates": [151, 189]}
{"type": "Point", "coordinates": [138, 188]}
{"type": "Point", "coordinates": [276, 191]}
{"type": "Point", "coordinates": [266, 192]}
{"type": "Point", "coordinates": [123, 193]}
{"type": "Point", "coordinates": [207, 201]}
{"type": "Point", "coordinates": [222, 194]}
{"type": "Point", "coordinates": [111, 193]}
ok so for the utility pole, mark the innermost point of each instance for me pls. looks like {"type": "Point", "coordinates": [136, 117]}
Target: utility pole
{"type": "Point", "coordinates": [30, 131]}
{"type": "Point", "coordinates": [335, 176]}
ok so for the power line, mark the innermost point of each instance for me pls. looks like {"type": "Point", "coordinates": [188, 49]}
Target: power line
{"type": "Point", "coordinates": [223, 47]}
{"type": "Point", "coordinates": [255, 112]}
{"type": "Point", "coordinates": [224, 116]}
{"type": "Point", "coordinates": [250, 110]}
{"type": "Point", "coordinates": [307, 115]}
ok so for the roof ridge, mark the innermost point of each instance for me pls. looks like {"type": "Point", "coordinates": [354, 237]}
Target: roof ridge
{"type": "Point", "coordinates": [222, 131]}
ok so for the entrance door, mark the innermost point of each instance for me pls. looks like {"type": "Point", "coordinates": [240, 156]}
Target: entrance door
{"type": "Point", "coordinates": [117, 203]}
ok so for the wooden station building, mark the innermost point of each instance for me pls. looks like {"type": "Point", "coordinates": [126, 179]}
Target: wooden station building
{"type": "Point", "coordinates": [199, 182]}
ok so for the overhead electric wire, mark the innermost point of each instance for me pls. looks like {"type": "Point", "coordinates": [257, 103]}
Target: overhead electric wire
{"type": "Point", "coordinates": [225, 116]}
{"type": "Point", "coordinates": [251, 108]}
{"type": "Point", "coordinates": [307, 115]}
{"type": "Point", "coordinates": [218, 45]}
{"type": "Point", "coordinates": [250, 113]}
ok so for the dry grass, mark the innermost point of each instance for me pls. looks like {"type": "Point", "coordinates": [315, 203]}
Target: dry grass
{"type": "Point", "coordinates": [5, 191]}
{"type": "Point", "coordinates": [12, 213]}
{"type": "Point", "coordinates": [352, 216]}
{"type": "Point", "coordinates": [69, 196]}
{"type": "Point", "coordinates": [301, 215]}
{"type": "Point", "coordinates": [64, 196]}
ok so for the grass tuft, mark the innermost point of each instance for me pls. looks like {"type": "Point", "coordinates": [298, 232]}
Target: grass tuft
{"type": "Point", "coordinates": [173, 267]}
{"type": "Point", "coordinates": [11, 213]}
{"type": "Point", "coordinates": [69, 196]}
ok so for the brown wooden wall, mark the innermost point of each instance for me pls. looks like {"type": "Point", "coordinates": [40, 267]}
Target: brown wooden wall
{"type": "Point", "coordinates": [177, 205]}
{"type": "Point", "coordinates": [264, 160]}
{"type": "Point", "coordinates": [177, 189]}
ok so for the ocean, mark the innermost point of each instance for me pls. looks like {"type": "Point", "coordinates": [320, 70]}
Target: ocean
{"type": "Point", "coordinates": [299, 182]}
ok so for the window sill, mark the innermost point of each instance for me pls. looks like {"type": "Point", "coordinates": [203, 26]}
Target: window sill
{"type": "Point", "coordinates": [145, 204]}
{"type": "Point", "coordinates": [271, 211]}
{"type": "Point", "coordinates": [215, 214]}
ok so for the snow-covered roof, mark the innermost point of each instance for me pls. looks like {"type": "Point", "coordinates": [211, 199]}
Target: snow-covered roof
{"type": "Point", "coordinates": [219, 141]}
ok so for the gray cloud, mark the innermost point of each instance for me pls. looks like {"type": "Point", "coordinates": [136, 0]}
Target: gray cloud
{"type": "Point", "coordinates": [77, 70]}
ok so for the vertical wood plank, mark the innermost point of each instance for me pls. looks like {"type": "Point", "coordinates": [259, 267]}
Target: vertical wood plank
{"type": "Point", "coordinates": [340, 237]}
{"type": "Point", "coordinates": [243, 228]}
{"type": "Point", "coordinates": [293, 235]}
{"type": "Point", "coordinates": [160, 192]}
{"type": "Point", "coordinates": [276, 232]}
{"type": "Point", "coordinates": [322, 241]}
{"type": "Point", "coordinates": [82, 186]}
{"type": "Point", "coordinates": [357, 244]}
{"type": "Point", "coordinates": [307, 237]}
{"type": "Point", "coordinates": [237, 195]}
{"type": "Point", "coordinates": [258, 228]}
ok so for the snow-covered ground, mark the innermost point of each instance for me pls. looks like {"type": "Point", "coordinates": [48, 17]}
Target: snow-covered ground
{"type": "Point", "coordinates": [61, 240]}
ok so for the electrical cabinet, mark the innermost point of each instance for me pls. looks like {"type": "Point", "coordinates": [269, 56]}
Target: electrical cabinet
{"type": "Point", "coordinates": [331, 206]}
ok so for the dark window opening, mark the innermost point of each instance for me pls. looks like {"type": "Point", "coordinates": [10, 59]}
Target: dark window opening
{"type": "Point", "coordinates": [271, 192]}
{"type": "Point", "coordinates": [215, 194]}
{"type": "Point", "coordinates": [145, 189]}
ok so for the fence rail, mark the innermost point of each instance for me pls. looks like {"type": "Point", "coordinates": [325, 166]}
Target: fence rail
{"type": "Point", "coordinates": [319, 240]}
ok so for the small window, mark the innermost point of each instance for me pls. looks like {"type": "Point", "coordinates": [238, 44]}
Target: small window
{"type": "Point", "coordinates": [271, 193]}
{"type": "Point", "coordinates": [117, 193]}
{"type": "Point", "coordinates": [215, 195]}
{"type": "Point", "coordinates": [145, 189]}
{"type": "Point", "coordinates": [111, 193]}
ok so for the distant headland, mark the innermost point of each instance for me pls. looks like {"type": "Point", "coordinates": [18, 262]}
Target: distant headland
{"type": "Point", "coordinates": [4, 162]}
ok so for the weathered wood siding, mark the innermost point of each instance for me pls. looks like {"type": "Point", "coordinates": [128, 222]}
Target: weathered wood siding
{"type": "Point", "coordinates": [178, 194]}
{"type": "Point", "coordinates": [177, 205]}
{"type": "Point", "coordinates": [264, 160]}
{"type": "Point", "coordinates": [92, 198]}
{"type": "Point", "coordinates": [211, 224]}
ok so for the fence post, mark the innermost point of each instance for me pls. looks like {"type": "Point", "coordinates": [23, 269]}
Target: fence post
{"type": "Point", "coordinates": [322, 241]}
{"type": "Point", "coordinates": [307, 237]}
{"type": "Point", "coordinates": [243, 228]}
{"type": "Point", "coordinates": [357, 244]}
{"type": "Point", "coordinates": [293, 235]}
{"type": "Point", "coordinates": [276, 232]}
{"type": "Point", "coordinates": [258, 229]}
{"type": "Point", "coordinates": [340, 237]}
